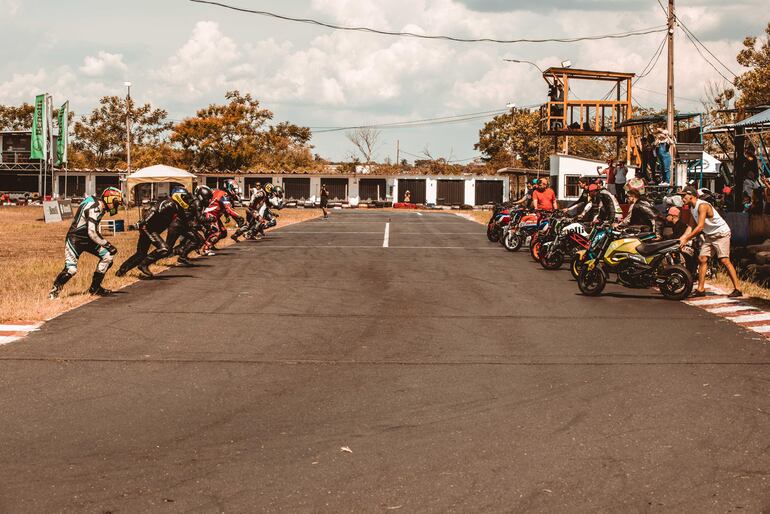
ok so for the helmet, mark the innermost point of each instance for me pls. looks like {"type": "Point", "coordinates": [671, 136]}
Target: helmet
{"type": "Point", "coordinates": [278, 191]}
{"type": "Point", "coordinates": [178, 189]}
{"type": "Point", "coordinates": [182, 197]}
{"type": "Point", "coordinates": [268, 188]}
{"type": "Point", "coordinates": [203, 193]}
{"type": "Point", "coordinates": [231, 188]}
{"type": "Point", "coordinates": [112, 198]}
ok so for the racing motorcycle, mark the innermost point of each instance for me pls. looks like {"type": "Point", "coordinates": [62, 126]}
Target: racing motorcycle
{"type": "Point", "coordinates": [528, 225]}
{"type": "Point", "coordinates": [637, 264]}
{"type": "Point", "coordinates": [501, 216]}
{"type": "Point", "coordinates": [570, 236]}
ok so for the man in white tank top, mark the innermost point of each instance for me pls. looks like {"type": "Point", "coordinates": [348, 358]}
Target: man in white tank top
{"type": "Point", "coordinates": [716, 233]}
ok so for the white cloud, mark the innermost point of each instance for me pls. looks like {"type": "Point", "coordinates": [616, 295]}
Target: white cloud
{"type": "Point", "coordinates": [10, 7]}
{"type": "Point", "coordinates": [102, 64]}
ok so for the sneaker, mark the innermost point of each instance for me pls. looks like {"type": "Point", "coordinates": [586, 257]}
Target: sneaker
{"type": "Point", "coordinates": [208, 253]}
{"type": "Point", "coordinates": [53, 294]}
{"type": "Point", "coordinates": [100, 291]}
{"type": "Point", "coordinates": [735, 294]}
{"type": "Point", "coordinates": [145, 270]}
{"type": "Point", "coordinates": [698, 294]}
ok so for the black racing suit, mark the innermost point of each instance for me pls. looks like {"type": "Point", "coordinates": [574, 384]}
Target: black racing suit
{"type": "Point", "coordinates": [607, 207]}
{"type": "Point", "coordinates": [156, 220]}
{"type": "Point", "coordinates": [642, 214]}
{"type": "Point", "coordinates": [84, 236]}
{"type": "Point", "coordinates": [579, 206]}
{"type": "Point", "coordinates": [187, 228]}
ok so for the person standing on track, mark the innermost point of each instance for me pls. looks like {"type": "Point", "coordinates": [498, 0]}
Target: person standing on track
{"type": "Point", "coordinates": [716, 233]}
{"type": "Point", "coordinates": [84, 236]}
{"type": "Point", "coordinates": [324, 200]}
{"type": "Point", "coordinates": [543, 197]}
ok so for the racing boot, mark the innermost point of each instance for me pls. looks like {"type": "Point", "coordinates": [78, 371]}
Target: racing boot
{"type": "Point", "coordinates": [96, 288]}
{"type": "Point", "coordinates": [184, 261]}
{"type": "Point", "coordinates": [53, 294]}
{"type": "Point", "coordinates": [144, 269]}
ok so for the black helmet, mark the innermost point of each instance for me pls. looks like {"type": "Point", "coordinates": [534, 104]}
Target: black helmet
{"type": "Point", "coordinates": [203, 193]}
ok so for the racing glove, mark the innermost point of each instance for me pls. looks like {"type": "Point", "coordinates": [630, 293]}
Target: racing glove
{"type": "Point", "coordinates": [110, 248]}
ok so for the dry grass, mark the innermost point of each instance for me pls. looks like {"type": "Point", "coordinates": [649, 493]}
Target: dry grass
{"type": "Point", "coordinates": [747, 287]}
{"type": "Point", "coordinates": [32, 253]}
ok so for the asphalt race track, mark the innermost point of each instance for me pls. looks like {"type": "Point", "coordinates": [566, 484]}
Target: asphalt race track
{"type": "Point", "coordinates": [462, 378]}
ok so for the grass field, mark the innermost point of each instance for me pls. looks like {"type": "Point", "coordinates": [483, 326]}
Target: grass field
{"type": "Point", "coordinates": [32, 253]}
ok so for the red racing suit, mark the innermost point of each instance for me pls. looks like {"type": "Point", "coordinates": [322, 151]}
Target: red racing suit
{"type": "Point", "coordinates": [215, 229]}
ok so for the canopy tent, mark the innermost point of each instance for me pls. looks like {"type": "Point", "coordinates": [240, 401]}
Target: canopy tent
{"type": "Point", "coordinates": [158, 174]}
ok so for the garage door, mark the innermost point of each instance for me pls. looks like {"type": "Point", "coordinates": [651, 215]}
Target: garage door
{"type": "Point", "coordinates": [216, 182]}
{"type": "Point", "coordinates": [450, 192]}
{"type": "Point", "coordinates": [489, 191]}
{"type": "Point", "coordinates": [372, 189]}
{"type": "Point", "coordinates": [415, 186]}
{"type": "Point", "coordinates": [338, 188]}
{"type": "Point", "coordinates": [296, 188]}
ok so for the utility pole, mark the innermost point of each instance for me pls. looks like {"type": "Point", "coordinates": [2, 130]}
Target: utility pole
{"type": "Point", "coordinates": [398, 152]}
{"type": "Point", "coordinates": [670, 88]}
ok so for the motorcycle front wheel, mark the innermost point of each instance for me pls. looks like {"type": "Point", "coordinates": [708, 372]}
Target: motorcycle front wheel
{"type": "Point", "coordinates": [575, 266]}
{"type": "Point", "coordinates": [512, 241]}
{"type": "Point", "coordinates": [552, 259]}
{"type": "Point", "coordinates": [677, 282]}
{"type": "Point", "coordinates": [534, 248]}
{"type": "Point", "coordinates": [592, 281]}
{"type": "Point", "coordinates": [493, 234]}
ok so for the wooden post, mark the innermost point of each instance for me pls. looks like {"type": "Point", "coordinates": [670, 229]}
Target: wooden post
{"type": "Point", "coordinates": [670, 80]}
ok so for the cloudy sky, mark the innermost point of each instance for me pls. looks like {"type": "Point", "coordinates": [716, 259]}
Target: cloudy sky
{"type": "Point", "coordinates": [181, 55]}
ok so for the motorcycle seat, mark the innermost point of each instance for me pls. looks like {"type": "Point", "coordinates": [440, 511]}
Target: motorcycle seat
{"type": "Point", "coordinates": [648, 249]}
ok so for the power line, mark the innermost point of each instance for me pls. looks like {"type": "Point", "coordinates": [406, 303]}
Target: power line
{"type": "Point", "coordinates": [690, 33]}
{"type": "Point", "coordinates": [621, 35]}
{"type": "Point", "coordinates": [664, 94]}
{"type": "Point", "coordinates": [705, 58]}
{"type": "Point", "coordinates": [497, 111]}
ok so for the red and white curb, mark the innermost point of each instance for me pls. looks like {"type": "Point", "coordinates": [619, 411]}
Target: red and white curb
{"type": "Point", "coordinates": [10, 333]}
{"type": "Point", "coordinates": [733, 309]}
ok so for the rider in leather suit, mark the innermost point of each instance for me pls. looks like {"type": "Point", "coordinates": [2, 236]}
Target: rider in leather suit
{"type": "Point", "coordinates": [157, 219]}
{"type": "Point", "coordinates": [84, 236]}
{"type": "Point", "coordinates": [641, 214]}
{"type": "Point", "coordinates": [608, 207]}
{"type": "Point", "coordinates": [221, 205]}
{"type": "Point", "coordinates": [188, 229]}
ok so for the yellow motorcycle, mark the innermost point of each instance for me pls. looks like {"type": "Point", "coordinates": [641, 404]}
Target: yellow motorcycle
{"type": "Point", "coordinates": [637, 264]}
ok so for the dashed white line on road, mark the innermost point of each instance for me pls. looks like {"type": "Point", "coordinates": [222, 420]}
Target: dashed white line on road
{"type": "Point", "coordinates": [732, 308]}
{"type": "Point", "coordinates": [711, 301]}
{"type": "Point", "coordinates": [751, 317]}
{"type": "Point", "coordinates": [387, 235]}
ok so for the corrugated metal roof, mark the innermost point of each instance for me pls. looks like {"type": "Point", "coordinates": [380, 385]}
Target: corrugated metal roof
{"type": "Point", "coordinates": [761, 118]}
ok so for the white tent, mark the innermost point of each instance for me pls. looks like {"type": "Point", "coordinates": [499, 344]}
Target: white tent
{"type": "Point", "coordinates": [158, 174]}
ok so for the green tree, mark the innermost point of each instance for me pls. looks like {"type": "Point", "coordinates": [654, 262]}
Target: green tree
{"type": "Point", "coordinates": [512, 136]}
{"type": "Point", "coordinates": [16, 118]}
{"type": "Point", "coordinates": [754, 84]}
{"type": "Point", "coordinates": [100, 137]}
{"type": "Point", "coordinates": [236, 136]}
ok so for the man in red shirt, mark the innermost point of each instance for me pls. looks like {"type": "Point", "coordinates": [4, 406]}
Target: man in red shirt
{"type": "Point", "coordinates": [543, 197]}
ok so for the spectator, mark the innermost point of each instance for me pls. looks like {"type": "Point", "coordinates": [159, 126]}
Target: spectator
{"type": "Point", "coordinates": [746, 202]}
{"type": "Point", "coordinates": [407, 196]}
{"type": "Point", "coordinates": [526, 199]}
{"type": "Point", "coordinates": [757, 201]}
{"type": "Point", "coordinates": [648, 157]}
{"type": "Point", "coordinates": [325, 200]}
{"type": "Point", "coordinates": [610, 172]}
{"type": "Point", "coordinates": [750, 183]}
{"type": "Point", "coordinates": [663, 144]}
{"type": "Point", "coordinates": [716, 238]}
{"type": "Point", "coordinates": [543, 197]}
{"type": "Point", "coordinates": [637, 182]}
{"type": "Point", "coordinates": [674, 227]}
{"type": "Point", "coordinates": [621, 173]}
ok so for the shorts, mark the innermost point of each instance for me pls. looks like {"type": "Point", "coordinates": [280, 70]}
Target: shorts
{"type": "Point", "coordinates": [719, 244]}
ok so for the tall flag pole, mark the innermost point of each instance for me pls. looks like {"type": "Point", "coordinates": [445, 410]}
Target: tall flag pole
{"type": "Point", "coordinates": [39, 149]}
{"type": "Point", "coordinates": [50, 157]}
{"type": "Point", "coordinates": [63, 141]}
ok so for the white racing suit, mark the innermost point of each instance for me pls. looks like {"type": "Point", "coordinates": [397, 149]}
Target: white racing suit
{"type": "Point", "coordinates": [84, 236]}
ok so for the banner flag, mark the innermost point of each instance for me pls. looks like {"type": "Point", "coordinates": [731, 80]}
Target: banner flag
{"type": "Point", "coordinates": [61, 143]}
{"type": "Point", "coordinates": [51, 157]}
{"type": "Point", "coordinates": [39, 129]}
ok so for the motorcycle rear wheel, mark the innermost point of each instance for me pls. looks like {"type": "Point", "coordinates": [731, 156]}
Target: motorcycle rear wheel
{"type": "Point", "coordinates": [677, 283]}
{"type": "Point", "coordinates": [493, 234]}
{"type": "Point", "coordinates": [552, 260]}
{"type": "Point", "coordinates": [592, 281]}
{"type": "Point", "coordinates": [512, 241]}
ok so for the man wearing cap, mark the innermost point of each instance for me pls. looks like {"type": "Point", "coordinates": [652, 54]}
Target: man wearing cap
{"type": "Point", "coordinates": [716, 235]}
